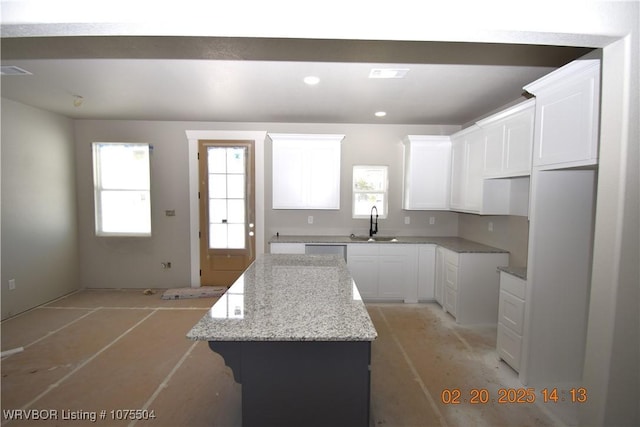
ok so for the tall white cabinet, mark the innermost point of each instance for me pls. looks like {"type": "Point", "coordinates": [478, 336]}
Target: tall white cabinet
{"type": "Point", "coordinates": [561, 225]}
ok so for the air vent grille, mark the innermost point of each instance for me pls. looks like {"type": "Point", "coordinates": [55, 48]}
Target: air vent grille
{"type": "Point", "coordinates": [12, 70]}
{"type": "Point", "coordinates": [388, 73]}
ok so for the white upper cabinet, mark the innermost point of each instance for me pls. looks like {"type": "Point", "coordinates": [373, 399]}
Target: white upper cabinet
{"type": "Point", "coordinates": [508, 141]}
{"type": "Point", "coordinates": [426, 172]}
{"type": "Point", "coordinates": [567, 114]}
{"type": "Point", "coordinates": [466, 170]}
{"type": "Point", "coordinates": [471, 191]}
{"type": "Point", "coordinates": [306, 171]}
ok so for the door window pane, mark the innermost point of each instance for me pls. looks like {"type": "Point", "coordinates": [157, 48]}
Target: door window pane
{"type": "Point", "coordinates": [235, 211]}
{"type": "Point", "coordinates": [218, 235]}
{"type": "Point", "coordinates": [236, 236]}
{"type": "Point", "coordinates": [235, 160]}
{"type": "Point", "coordinates": [235, 186]}
{"type": "Point", "coordinates": [217, 186]}
{"type": "Point", "coordinates": [217, 160]}
{"type": "Point", "coordinates": [226, 194]}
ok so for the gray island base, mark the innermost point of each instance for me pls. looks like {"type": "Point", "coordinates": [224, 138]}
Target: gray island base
{"type": "Point", "coordinates": [297, 337]}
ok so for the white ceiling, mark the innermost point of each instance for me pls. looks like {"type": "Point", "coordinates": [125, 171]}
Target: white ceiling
{"type": "Point", "coordinates": [246, 81]}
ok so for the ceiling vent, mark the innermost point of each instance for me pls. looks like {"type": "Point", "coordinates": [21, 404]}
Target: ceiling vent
{"type": "Point", "coordinates": [388, 73]}
{"type": "Point", "coordinates": [12, 70]}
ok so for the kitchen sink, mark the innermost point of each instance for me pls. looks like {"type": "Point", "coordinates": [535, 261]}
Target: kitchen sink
{"type": "Point", "coordinates": [373, 239]}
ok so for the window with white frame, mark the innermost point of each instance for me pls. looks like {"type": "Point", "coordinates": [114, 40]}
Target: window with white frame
{"type": "Point", "coordinates": [370, 188]}
{"type": "Point", "coordinates": [121, 176]}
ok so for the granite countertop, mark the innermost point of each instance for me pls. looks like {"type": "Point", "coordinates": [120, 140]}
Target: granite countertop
{"type": "Point", "coordinates": [456, 244]}
{"type": "Point", "coordinates": [289, 298]}
{"type": "Point", "coordinates": [520, 272]}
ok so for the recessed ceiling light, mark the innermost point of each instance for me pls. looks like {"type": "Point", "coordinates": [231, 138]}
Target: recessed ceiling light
{"type": "Point", "coordinates": [311, 80]}
{"type": "Point", "coordinates": [380, 113]}
{"type": "Point", "coordinates": [388, 73]}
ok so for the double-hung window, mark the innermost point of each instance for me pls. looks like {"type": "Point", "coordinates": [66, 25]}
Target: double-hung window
{"type": "Point", "coordinates": [121, 174]}
{"type": "Point", "coordinates": [370, 187]}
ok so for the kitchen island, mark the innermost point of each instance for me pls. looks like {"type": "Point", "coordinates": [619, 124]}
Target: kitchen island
{"type": "Point", "coordinates": [297, 336]}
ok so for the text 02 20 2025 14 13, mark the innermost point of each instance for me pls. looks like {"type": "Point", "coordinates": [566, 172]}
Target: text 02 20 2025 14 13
{"type": "Point", "coordinates": [475, 396]}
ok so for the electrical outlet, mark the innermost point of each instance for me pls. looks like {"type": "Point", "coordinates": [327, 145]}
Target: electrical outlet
{"type": "Point", "coordinates": [490, 226]}
{"type": "Point", "coordinates": [166, 264]}
{"type": "Point", "coordinates": [12, 284]}
{"type": "Point", "coordinates": [310, 219]}
{"type": "Point", "coordinates": [407, 220]}
{"type": "Point", "coordinates": [432, 220]}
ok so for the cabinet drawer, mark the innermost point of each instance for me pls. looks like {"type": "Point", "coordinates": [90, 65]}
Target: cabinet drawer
{"type": "Point", "coordinates": [363, 249]}
{"type": "Point", "coordinates": [287, 248]}
{"type": "Point", "coordinates": [395, 249]}
{"type": "Point", "coordinates": [512, 284]}
{"type": "Point", "coordinates": [511, 312]}
{"type": "Point", "coordinates": [509, 346]}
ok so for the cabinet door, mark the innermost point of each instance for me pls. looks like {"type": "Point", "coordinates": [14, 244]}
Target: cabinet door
{"type": "Point", "coordinates": [458, 172]}
{"type": "Point", "coordinates": [306, 171]}
{"type": "Point", "coordinates": [324, 176]}
{"type": "Point", "coordinates": [289, 179]}
{"type": "Point", "coordinates": [518, 144]}
{"type": "Point", "coordinates": [494, 145]}
{"type": "Point", "coordinates": [451, 275]}
{"type": "Point", "coordinates": [567, 114]}
{"type": "Point", "coordinates": [474, 179]}
{"type": "Point", "coordinates": [392, 274]}
{"type": "Point", "coordinates": [427, 172]}
{"type": "Point", "coordinates": [364, 270]}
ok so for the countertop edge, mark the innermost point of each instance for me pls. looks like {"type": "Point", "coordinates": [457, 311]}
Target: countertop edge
{"type": "Point", "coordinates": [519, 272]}
{"type": "Point", "coordinates": [453, 243]}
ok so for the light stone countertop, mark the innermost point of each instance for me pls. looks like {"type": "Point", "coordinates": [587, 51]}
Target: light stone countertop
{"type": "Point", "coordinates": [520, 272]}
{"type": "Point", "coordinates": [289, 298]}
{"type": "Point", "coordinates": [456, 244]}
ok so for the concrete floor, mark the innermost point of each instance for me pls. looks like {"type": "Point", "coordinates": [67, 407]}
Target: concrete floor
{"type": "Point", "coordinates": [119, 350]}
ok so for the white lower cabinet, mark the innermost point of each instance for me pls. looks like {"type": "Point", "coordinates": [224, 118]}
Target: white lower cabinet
{"type": "Point", "coordinates": [511, 319]}
{"type": "Point", "coordinates": [467, 285]}
{"type": "Point", "coordinates": [392, 272]}
{"type": "Point", "coordinates": [363, 266]}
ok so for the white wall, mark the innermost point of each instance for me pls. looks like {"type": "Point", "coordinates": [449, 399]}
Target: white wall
{"type": "Point", "coordinates": [108, 262]}
{"type": "Point", "coordinates": [362, 145]}
{"type": "Point", "coordinates": [39, 227]}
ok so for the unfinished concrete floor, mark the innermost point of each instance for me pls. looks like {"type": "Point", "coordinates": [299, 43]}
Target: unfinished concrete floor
{"type": "Point", "coordinates": [119, 350]}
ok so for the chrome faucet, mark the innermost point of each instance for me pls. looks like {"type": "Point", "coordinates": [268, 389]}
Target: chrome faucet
{"type": "Point", "coordinates": [373, 230]}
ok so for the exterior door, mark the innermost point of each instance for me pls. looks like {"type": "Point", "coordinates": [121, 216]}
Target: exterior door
{"type": "Point", "coordinates": [227, 210]}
